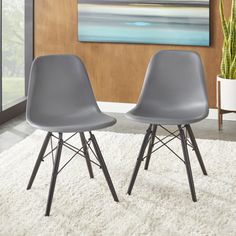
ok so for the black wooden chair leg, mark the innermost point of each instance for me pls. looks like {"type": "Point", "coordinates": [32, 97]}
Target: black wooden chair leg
{"type": "Point", "coordinates": [140, 159]}
{"type": "Point", "coordinates": [196, 149]}
{"type": "Point", "coordinates": [86, 154]}
{"type": "Point", "coordinates": [104, 167]}
{"type": "Point", "coordinates": [151, 145]}
{"type": "Point", "coordinates": [187, 163]}
{"type": "Point", "coordinates": [39, 160]}
{"type": "Point", "coordinates": [54, 175]}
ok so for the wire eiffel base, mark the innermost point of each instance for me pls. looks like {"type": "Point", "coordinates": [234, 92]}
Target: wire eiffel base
{"type": "Point", "coordinates": [87, 145]}
{"type": "Point", "coordinates": [185, 134]}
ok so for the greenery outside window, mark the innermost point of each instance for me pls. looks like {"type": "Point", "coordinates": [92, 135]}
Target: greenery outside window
{"type": "Point", "coordinates": [16, 55]}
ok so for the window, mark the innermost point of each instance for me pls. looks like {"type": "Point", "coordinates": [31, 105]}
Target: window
{"type": "Point", "coordinates": [13, 51]}
{"type": "Point", "coordinates": [16, 55]}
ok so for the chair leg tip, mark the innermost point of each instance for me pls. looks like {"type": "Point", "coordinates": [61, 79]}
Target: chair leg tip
{"type": "Point", "coordinates": [47, 213]}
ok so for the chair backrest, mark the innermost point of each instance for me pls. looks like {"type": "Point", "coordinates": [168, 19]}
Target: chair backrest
{"type": "Point", "coordinates": [58, 85]}
{"type": "Point", "coordinates": [174, 80]}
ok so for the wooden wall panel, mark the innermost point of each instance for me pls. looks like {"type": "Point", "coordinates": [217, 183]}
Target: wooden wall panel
{"type": "Point", "coordinates": [116, 70]}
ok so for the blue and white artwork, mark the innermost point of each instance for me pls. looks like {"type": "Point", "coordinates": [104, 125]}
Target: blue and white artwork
{"type": "Point", "coordinates": [145, 21]}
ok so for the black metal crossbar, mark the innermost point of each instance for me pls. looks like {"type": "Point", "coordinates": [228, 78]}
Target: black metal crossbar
{"type": "Point", "coordinates": [174, 135]}
{"type": "Point", "coordinates": [166, 138]}
{"type": "Point", "coordinates": [77, 151]}
{"type": "Point", "coordinates": [67, 162]}
{"type": "Point", "coordinates": [165, 144]}
{"type": "Point", "coordinates": [177, 136]}
{"type": "Point", "coordinates": [74, 149]}
{"type": "Point", "coordinates": [56, 146]}
{"type": "Point", "coordinates": [162, 144]}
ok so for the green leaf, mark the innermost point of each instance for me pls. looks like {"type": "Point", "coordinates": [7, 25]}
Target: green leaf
{"type": "Point", "coordinates": [223, 21]}
{"type": "Point", "coordinates": [228, 62]}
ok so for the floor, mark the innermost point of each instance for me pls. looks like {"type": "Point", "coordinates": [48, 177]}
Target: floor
{"type": "Point", "coordinates": [17, 129]}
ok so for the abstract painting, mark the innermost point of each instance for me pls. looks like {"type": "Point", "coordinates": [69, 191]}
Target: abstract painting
{"type": "Point", "coordinates": [178, 22]}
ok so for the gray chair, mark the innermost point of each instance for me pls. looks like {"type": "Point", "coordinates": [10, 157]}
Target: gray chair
{"type": "Point", "coordinates": [61, 100]}
{"type": "Point", "coordinates": [173, 93]}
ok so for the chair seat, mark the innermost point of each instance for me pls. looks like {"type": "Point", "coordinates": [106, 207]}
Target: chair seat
{"type": "Point", "coordinates": [167, 117]}
{"type": "Point", "coordinates": [76, 122]}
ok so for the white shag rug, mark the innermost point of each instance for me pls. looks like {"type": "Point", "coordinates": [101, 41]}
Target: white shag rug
{"type": "Point", "coordinates": [159, 205]}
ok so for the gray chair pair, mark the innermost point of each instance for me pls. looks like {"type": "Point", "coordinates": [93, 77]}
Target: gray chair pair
{"type": "Point", "coordinates": [60, 100]}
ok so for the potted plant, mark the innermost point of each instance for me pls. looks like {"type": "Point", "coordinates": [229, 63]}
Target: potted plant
{"type": "Point", "coordinates": [226, 81]}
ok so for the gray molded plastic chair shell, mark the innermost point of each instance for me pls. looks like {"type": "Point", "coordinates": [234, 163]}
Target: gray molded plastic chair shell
{"type": "Point", "coordinates": [60, 97]}
{"type": "Point", "coordinates": [174, 90]}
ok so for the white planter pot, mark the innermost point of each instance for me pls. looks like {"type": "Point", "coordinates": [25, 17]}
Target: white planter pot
{"type": "Point", "coordinates": [227, 94]}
